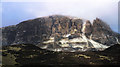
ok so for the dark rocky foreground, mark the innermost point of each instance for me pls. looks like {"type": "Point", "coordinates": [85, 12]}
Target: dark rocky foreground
{"type": "Point", "coordinates": [27, 54]}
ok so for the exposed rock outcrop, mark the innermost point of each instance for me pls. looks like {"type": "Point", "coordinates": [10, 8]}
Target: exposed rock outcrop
{"type": "Point", "coordinates": [102, 33]}
{"type": "Point", "coordinates": [87, 28]}
{"type": "Point", "coordinates": [59, 27]}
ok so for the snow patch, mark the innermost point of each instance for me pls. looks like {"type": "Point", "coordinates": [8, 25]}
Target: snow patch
{"type": "Point", "coordinates": [66, 35]}
{"type": "Point", "coordinates": [83, 27]}
{"type": "Point", "coordinates": [81, 43]}
{"type": "Point", "coordinates": [77, 46]}
{"type": "Point", "coordinates": [77, 40]}
{"type": "Point", "coordinates": [51, 40]}
{"type": "Point", "coordinates": [44, 47]}
{"type": "Point", "coordinates": [117, 40]}
{"type": "Point", "coordinates": [65, 45]}
{"type": "Point", "coordinates": [58, 50]}
{"type": "Point", "coordinates": [95, 44]}
{"type": "Point", "coordinates": [98, 45]}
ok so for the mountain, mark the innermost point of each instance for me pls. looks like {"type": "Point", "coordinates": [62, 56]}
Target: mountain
{"type": "Point", "coordinates": [61, 33]}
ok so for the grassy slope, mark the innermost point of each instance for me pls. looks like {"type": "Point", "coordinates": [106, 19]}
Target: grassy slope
{"type": "Point", "coordinates": [32, 55]}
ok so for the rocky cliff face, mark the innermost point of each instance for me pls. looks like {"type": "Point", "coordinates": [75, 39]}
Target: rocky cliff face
{"type": "Point", "coordinates": [102, 33]}
{"type": "Point", "coordinates": [87, 28]}
{"type": "Point", "coordinates": [40, 29]}
{"type": "Point", "coordinates": [8, 35]}
{"type": "Point", "coordinates": [58, 29]}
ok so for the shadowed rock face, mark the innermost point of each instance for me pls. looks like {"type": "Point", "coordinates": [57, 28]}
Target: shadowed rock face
{"type": "Point", "coordinates": [102, 33]}
{"type": "Point", "coordinates": [8, 35]}
{"type": "Point", "coordinates": [88, 28]}
{"type": "Point", "coordinates": [38, 30]}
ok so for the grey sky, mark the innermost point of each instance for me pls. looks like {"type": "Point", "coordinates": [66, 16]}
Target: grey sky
{"type": "Point", "coordinates": [16, 12]}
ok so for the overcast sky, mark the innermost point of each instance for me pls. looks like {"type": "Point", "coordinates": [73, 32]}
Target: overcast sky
{"type": "Point", "coordinates": [16, 12]}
